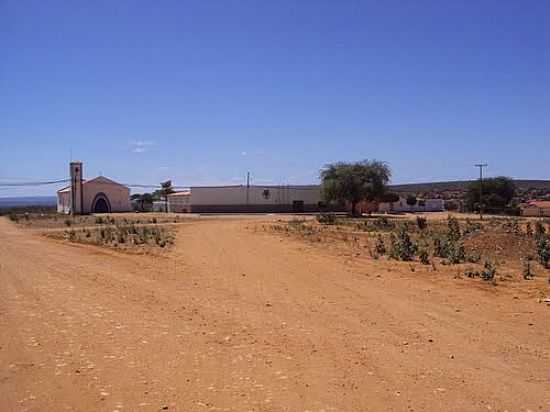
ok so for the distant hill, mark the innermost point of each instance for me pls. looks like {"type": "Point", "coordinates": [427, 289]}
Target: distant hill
{"type": "Point", "coordinates": [7, 202]}
{"type": "Point", "coordinates": [462, 185]}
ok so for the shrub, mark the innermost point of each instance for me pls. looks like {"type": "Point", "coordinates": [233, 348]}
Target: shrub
{"type": "Point", "coordinates": [540, 230]}
{"type": "Point", "coordinates": [489, 271]}
{"type": "Point", "coordinates": [473, 257]}
{"type": "Point", "coordinates": [68, 222]}
{"type": "Point", "coordinates": [528, 229]}
{"type": "Point", "coordinates": [402, 247]}
{"type": "Point", "coordinates": [71, 235]}
{"type": "Point", "coordinates": [438, 247]}
{"type": "Point", "coordinates": [472, 227]}
{"type": "Point", "coordinates": [99, 220]}
{"type": "Point", "coordinates": [326, 218]}
{"type": "Point", "coordinates": [453, 228]}
{"type": "Point", "coordinates": [450, 249]}
{"type": "Point", "coordinates": [471, 273]}
{"type": "Point", "coordinates": [455, 252]}
{"type": "Point", "coordinates": [515, 227]}
{"type": "Point", "coordinates": [380, 247]}
{"type": "Point", "coordinates": [13, 217]}
{"type": "Point", "coordinates": [424, 256]}
{"type": "Point", "coordinates": [527, 271]}
{"type": "Point", "coordinates": [421, 222]}
{"type": "Point", "coordinates": [543, 250]}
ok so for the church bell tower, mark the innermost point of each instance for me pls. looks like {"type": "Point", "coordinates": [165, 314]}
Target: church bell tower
{"type": "Point", "coordinates": [77, 194]}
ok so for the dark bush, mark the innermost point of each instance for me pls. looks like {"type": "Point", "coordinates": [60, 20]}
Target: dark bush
{"type": "Point", "coordinates": [380, 247]}
{"type": "Point", "coordinates": [489, 271]}
{"type": "Point", "coordinates": [402, 247]}
{"type": "Point", "coordinates": [326, 218]}
{"type": "Point", "coordinates": [421, 222]}
{"type": "Point", "coordinates": [543, 250]}
{"type": "Point", "coordinates": [424, 256]}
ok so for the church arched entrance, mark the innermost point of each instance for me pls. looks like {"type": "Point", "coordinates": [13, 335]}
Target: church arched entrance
{"type": "Point", "coordinates": [101, 204]}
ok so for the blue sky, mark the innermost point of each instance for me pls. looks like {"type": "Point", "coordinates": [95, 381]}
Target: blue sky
{"type": "Point", "coordinates": [202, 91]}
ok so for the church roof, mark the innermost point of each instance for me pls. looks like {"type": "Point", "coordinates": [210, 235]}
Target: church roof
{"type": "Point", "coordinates": [103, 179]}
{"type": "Point", "coordinates": [99, 179]}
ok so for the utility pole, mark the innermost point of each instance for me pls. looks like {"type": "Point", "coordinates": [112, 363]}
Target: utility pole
{"type": "Point", "coordinates": [247, 190]}
{"type": "Point", "coordinates": [481, 166]}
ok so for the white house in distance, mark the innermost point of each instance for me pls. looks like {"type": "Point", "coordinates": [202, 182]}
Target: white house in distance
{"type": "Point", "coordinates": [422, 205]}
{"type": "Point", "coordinates": [242, 198]}
{"type": "Point", "coordinates": [98, 195]}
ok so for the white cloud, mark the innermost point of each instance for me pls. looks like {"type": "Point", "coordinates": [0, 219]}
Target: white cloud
{"type": "Point", "coordinates": [244, 153]}
{"type": "Point", "coordinates": [141, 146]}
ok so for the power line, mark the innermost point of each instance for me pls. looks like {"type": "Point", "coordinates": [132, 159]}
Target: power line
{"type": "Point", "coordinates": [35, 183]}
{"type": "Point", "coordinates": [481, 166]}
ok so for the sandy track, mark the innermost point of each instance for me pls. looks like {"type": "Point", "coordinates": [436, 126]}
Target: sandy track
{"type": "Point", "coordinates": [236, 320]}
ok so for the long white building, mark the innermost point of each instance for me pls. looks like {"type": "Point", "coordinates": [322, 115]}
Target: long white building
{"type": "Point", "coordinates": [261, 199]}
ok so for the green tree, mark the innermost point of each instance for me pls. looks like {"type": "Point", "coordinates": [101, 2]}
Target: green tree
{"type": "Point", "coordinates": [412, 200]}
{"type": "Point", "coordinates": [390, 197]}
{"type": "Point", "coordinates": [355, 182]}
{"type": "Point", "coordinates": [498, 192]}
{"type": "Point", "coordinates": [144, 201]}
{"type": "Point", "coordinates": [165, 189]}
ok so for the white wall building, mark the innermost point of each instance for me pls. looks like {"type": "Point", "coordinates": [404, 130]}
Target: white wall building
{"type": "Point", "coordinates": [261, 199]}
{"type": "Point", "coordinates": [179, 202]}
{"type": "Point", "coordinates": [99, 195]}
{"type": "Point", "coordinates": [422, 205]}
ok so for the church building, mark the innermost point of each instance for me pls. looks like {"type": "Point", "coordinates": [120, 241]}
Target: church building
{"type": "Point", "coordinates": [98, 195]}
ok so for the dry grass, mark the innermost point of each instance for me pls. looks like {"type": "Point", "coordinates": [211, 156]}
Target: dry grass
{"type": "Point", "coordinates": [56, 221]}
{"type": "Point", "coordinates": [125, 237]}
{"type": "Point", "coordinates": [493, 250]}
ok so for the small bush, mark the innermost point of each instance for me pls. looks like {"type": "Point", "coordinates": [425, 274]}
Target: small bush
{"type": "Point", "coordinates": [424, 256]}
{"type": "Point", "coordinates": [326, 218]}
{"type": "Point", "coordinates": [402, 247]}
{"type": "Point", "coordinates": [421, 222]}
{"type": "Point", "coordinates": [71, 235]}
{"type": "Point", "coordinates": [527, 269]}
{"type": "Point", "coordinates": [380, 247]}
{"type": "Point", "coordinates": [68, 222]}
{"type": "Point", "coordinates": [473, 257]}
{"type": "Point", "coordinates": [453, 228]}
{"type": "Point", "coordinates": [528, 229]}
{"type": "Point", "coordinates": [540, 230]}
{"type": "Point", "coordinates": [13, 217]}
{"type": "Point", "coordinates": [472, 227]}
{"type": "Point", "coordinates": [489, 271]}
{"type": "Point", "coordinates": [543, 250]}
{"type": "Point", "coordinates": [99, 220]}
{"type": "Point", "coordinates": [455, 252]}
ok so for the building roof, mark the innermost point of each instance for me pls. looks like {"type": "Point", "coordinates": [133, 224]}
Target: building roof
{"type": "Point", "coordinates": [182, 193]}
{"type": "Point", "coordinates": [99, 179]}
{"type": "Point", "coordinates": [103, 179]}
{"type": "Point", "coordinates": [308, 187]}
{"type": "Point", "coordinates": [543, 204]}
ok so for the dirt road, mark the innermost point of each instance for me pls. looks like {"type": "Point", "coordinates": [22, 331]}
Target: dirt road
{"type": "Point", "coordinates": [234, 319]}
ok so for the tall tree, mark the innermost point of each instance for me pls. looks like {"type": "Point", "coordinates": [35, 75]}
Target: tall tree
{"type": "Point", "coordinates": [498, 192]}
{"type": "Point", "coordinates": [165, 189]}
{"type": "Point", "coordinates": [355, 182]}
